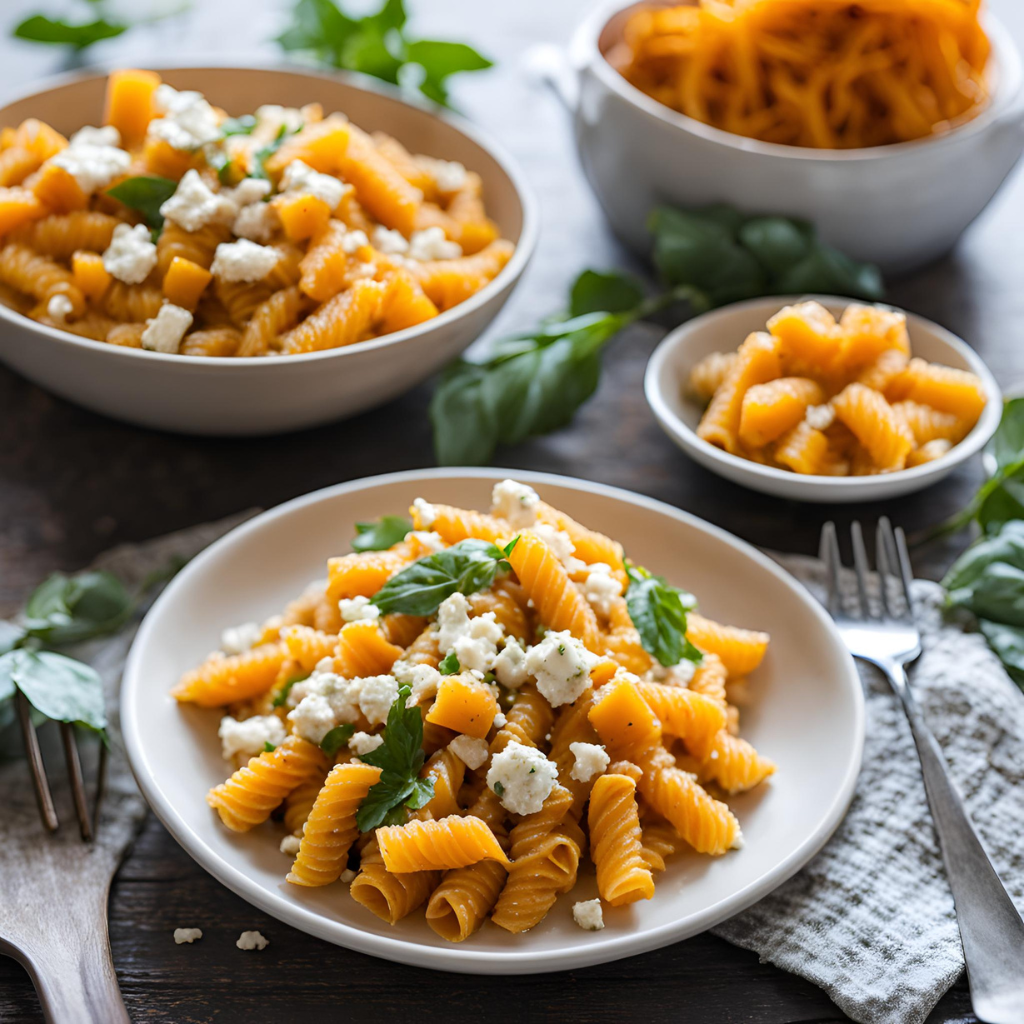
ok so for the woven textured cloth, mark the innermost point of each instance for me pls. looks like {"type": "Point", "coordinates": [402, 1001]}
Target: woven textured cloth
{"type": "Point", "coordinates": [870, 919]}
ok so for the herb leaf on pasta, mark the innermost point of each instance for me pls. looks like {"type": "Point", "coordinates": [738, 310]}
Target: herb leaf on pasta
{"type": "Point", "coordinates": [380, 534]}
{"type": "Point", "coordinates": [658, 611]}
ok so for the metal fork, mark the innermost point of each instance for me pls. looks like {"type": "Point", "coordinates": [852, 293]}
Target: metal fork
{"type": "Point", "coordinates": [991, 929]}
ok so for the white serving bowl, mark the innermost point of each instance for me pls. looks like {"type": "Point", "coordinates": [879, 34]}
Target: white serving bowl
{"type": "Point", "coordinates": [899, 206]}
{"type": "Point", "coordinates": [806, 711]}
{"type": "Point", "coordinates": [251, 396]}
{"type": "Point", "coordinates": [722, 330]}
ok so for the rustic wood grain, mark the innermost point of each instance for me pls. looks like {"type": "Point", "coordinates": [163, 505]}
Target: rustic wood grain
{"type": "Point", "coordinates": [73, 483]}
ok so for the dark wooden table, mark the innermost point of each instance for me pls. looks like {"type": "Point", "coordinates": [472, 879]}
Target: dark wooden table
{"type": "Point", "coordinates": [72, 484]}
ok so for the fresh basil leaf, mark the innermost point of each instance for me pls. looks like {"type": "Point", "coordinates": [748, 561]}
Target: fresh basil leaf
{"type": "Point", "coordinates": [10, 636]}
{"type": "Point", "coordinates": [610, 292]}
{"type": "Point", "coordinates": [61, 688]}
{"type": "Point", "coordinates": [1007, 642]}
{"type": "Point", "coordinates": [828, 271]}
{"type": "Point", "coordinates": [337, 738]}
{"type": "Point", "coordinates": [68, 609]}
{"type": "Point", "coordinates": [382, 534]}
{"type": "Point", "coordinates": [499, 788]}
{"type": "Point", "coordinates": [658, 611]}
{"type": "Point", "coordinates": [777, 243]}
{"type": "Point", "coordinates": [1007, 444]}
{"type": "Point", "coordinates": [367, 52]}
{"type": "Point", "coordinates": [466, 567]}
{"type": "Point", "coordinates": [281, 697]}
{"type": "Point", "coordinates": [58, 32]}
{"type": "Point", "coordinates": [268, 747]}
{"type": "Point", "coordinates": [317, 26]}
{"type": "Point", "coordinates": [465, 430]}
{"type": "Point", "coordinates": [243, 125]}
{"type": "Point", "coordinates": [439, 61]}
{"type": "Point", "coordinates": [145, 193]}
{"type": "Point", "coordinates": [400, 758]}
{"type": "Point", "coordinates": [449, 665]}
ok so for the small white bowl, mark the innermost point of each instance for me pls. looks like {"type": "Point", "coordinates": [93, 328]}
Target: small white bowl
{"type": "Point", "coordinates": [722, 330]}
{"type": "Point", "coordinates": [899, 206]}
{"type": "Point", "coordinates": [253, 396]}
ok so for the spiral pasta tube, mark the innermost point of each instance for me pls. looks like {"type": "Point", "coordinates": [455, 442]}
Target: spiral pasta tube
{"type": "Point", "coordinates": [691, 716]}
{"type": "Point", "coordinates": [61, 235]}
{"type": "Point", "coordinates": [508, 602]}
{"type": "Point", "coordinates": [455, 524]}
{"type": "Point", "coordinates": [224, 679]}
{"type": "Point", "coordinates": [308, 646]}
{"type": "Point", "coordinates": [299, 802]}
{"type": "Point", "coordinates": [709, 679]}
{"type": "Point", "coordinates": [390, 897]}
{"type": "Point", "coordinates": [197, 246]}
{"type": "Point", "coordinates": [616, 842]}
{"type": "Point", "coordinates": [362, 651]}
{"type": "Point", "coordinates": [455, 841]}
{"type": "Point", "coordinates": [363, 573]}
{"type": "Point", "coordinates": [734, 764]}
{"type": "Point", "coordinates": [133, 303]}
{"type": "Point", "coordinates": [38, 276]}
{"type": "Point", "coordinates": [741, 650]}
{"type": "Point", "coordinates": [590, 545]}
{"type": "Point", "coordinates": [271, 318]}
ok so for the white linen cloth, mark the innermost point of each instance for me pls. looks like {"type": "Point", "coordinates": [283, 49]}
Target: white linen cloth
{"type": "Point", "coordinates": [870, 919]}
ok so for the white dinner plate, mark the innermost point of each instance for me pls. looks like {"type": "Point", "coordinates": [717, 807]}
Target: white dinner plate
{"type": "Point", "coordinates": [807, 712]}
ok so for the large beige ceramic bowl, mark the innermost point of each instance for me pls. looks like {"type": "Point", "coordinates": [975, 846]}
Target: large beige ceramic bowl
{"type": "Point", "coordinates": [197, 395]}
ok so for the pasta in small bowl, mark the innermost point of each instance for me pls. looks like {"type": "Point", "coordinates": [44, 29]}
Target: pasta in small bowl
{"type": "Point", "coordinates": [164, 235]}
{"type": "Point", "coordinates": [822, 399]}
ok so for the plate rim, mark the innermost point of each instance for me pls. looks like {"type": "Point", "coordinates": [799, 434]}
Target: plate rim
{"type": "Point", "coordinates": [458, 958]}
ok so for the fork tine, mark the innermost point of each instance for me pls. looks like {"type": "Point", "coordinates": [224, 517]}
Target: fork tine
{"type": "Point", "coordinates": [828, 552]}
{"type": "Point", "coordinates": [887, 542]}
{"type": "Point", "coordinates": [860, 565]}
{"type": "Point", "coordinates": [74, 763]}
{"type": "Point", "coordinates": [101, 787]}
{"type": "Point", "coordinates": [35, 760]}
{"type": "Point", "coordinates": [906, 572]}
{"type": "Point", "coordinates": [883, 563]}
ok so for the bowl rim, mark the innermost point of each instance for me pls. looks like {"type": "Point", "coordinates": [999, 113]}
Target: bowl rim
{"type": "Point", "coordinates": [509, 274]}
{"type": "Point", "coordinates": [461, 959]}
{"type": "Point", "coordinates": [657, 385]}
{"type": "Point", "coordinates": [586, 54]}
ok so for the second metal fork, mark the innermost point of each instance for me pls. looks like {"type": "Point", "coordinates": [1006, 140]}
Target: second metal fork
{"type": "Point", "coordinates": [991, 929]}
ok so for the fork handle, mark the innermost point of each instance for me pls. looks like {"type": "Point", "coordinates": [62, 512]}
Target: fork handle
{"type": "Point", "coordinates": [991, 929]}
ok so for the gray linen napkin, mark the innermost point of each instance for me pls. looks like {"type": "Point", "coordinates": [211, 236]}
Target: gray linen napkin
{"type": "Point", "coordinates": [870, 919]}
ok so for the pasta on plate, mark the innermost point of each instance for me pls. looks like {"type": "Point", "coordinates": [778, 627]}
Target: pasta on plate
{"type": "Point", "coordinates": [829, 74]}
{"type": "Point", "coordinates": [473, 705]}
{"type": "Point", "coordinates": [816, 396]}
{"type": "Point", "coordinates": [179, 229]}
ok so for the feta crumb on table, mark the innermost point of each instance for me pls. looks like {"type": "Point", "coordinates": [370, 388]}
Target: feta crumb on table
{"type": "Point", "coordinates": [131, 255]}
{"type": "Point", "coordinates": [163, 333]}
{"type": "Point", "coordinates": [187, 935]}
{"type": "Point", "coordinates": [243, 261]}
{"type": "Point", "coordinates": [515, 502]}
{"type": "Point", "coordinates": [589, 915]}
{"type": "Point", "coordinates": [241, 638]}
{"type": "Point", "coordinates": [252, 940]}
{"type": "Point", "coordinates": [591, 760]}
{"type": "Point", "coordinates": [471, 751]}
{"type": "Point", "coordinates": [522, 777]}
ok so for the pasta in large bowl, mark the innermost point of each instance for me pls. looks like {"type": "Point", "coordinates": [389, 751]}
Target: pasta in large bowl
{"type": "Point", "coordinates": [494, 727]}
{"type": "Point", "coordinates": [170, 232]}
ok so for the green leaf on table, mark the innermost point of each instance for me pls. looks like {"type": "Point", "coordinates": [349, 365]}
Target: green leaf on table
{"type": "Point", "coordinates": [1007, 642]}
{"type": "Point", "coordinates": [10, 636]}
{"type": "Point", "coordinates": [60, 688]}
{"type": "Point", "coordinates": [68, 609]}
{"type": "Point", "coordinates": [611, 292]}
{"type": "Point", "coordinates": [337, 738]}
{"type": "Point", "coordinates": [449, 665]}
{"type": "Point", "coordinates": [58, 32]}
{"type": "Point", "coordinates": [466, 567]}
{"type": "Point", "coordinates": [145, 193]}
{"type": "Point", "coordinates": [658, 611]}
{"type": "Point", "coordinates": [380, 534]}
{"type": "Point", "coordinates": [400, 758]}
{"type": "Point", "coordinates": [439, 61]}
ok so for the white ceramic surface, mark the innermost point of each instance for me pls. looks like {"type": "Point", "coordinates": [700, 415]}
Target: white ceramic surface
{"type": "Point", "coordinates": [198, 395]}
{"type": "Point", "coordinates": [898, 206]}
{"type": "Point", "coordinates": [807, 713]}
{"type": "Point", "coordinates": [722, 330]}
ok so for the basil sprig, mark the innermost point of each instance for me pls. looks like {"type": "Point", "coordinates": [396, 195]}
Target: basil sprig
{"type": "Point", "coordinates": [337, 738]}
{"type": "Point", "coordinates": [658, 611]}
{"type": "Point", "coordinates": [380, 534]}
{"type": "Point", "coordinates": [145, 193]}
{"type": "Point", "coordinates": [466, 567]}
{"type": "Point", "coordinates": [400, 758]}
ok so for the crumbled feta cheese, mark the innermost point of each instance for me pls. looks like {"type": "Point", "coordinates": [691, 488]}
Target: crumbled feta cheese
{"type": "Point", "coordinates": [363, 742]}
{"type": "Point", "coordinates": [353, 609]}
{"type": "Point", "coordinates": [352, 242]}
{"type": "Point", "coordinates": [321, 702]}
{"type": "Point", "coordinates": [515, 502]}
{"type": "Point", "coordinates": [522, 777]}
{"type": "Point", "coordinates": [299, 177]}
{"type": "Point", "coordinates": [820, 417]}
{"type": "Point", "coordinates": [739, 842]}
{"type": "Point", "coordinates": [290, 845]}
{"type": "Point", "coordinates": [313, 717]}
{"type": "Point", "coordinates": [376, 695]}
{"type": "Point", "coordinates": [562, 666]}
{"type": "Point", "coordinates": [164, 332]}
{"type": "Point", "coordinates": [276, 115]}
{"type": "Point", "coordinates": [429, 539]}
{"type": "Point", "coordinates": [131, 255]}
{"type": "Point", "coordinates": [448, 175]}
{"type": "Point", "coordinates": [93, 159]}
{"type": "Point", "coordinates": [601, 588]}
{"type": "Point", "coordinates": [248, 192]}
{"type": "Point", "coordinates": [243, 261]}
{"type": "Point", "coordinates": [499, 721]}
{"type": "Point", "coordinates": [187, 935]}
{"type": "Point", "coordinates": [252, 940]}
{"type": "Point", "coordinates": [424, 680]}
{"type": "Point", "coordinates": [257, 222]}
{"type": "Point", "coordinates": [591, 760]}
{"type": "Point", "coordinates": [431, 244]}
{"type": "Point", "coordinates": [471, 751]}
{"type": "Point", "coordinates": [561, 546]}
{"type": "Point", "coordinates": [194, 204]}
{"type": "Point", "coordinates": [676, 675]}
{"type": "Point", "coordinates": [59, 307]}
{"type": "Point", "coordinates": [391, 242]}
{"type": "Point", "coordinates": [346, 876]}
{"type": "Point", "coordinates": [510, 665]}
{"type": "Point", "coordinates": [250, 736]}
{"type": "Point", "coordinates": [425, 512]}
{"type": "Point", "coordinates": [474, 641]}
{"type": "Point", "coordinates": [188, 121]}
{"type": "Point", "coordinates": [589, 915]}
{"type": "Point", "coordinates": [238, 639]}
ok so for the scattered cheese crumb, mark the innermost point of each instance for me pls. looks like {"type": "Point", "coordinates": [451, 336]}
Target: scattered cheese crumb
{"type": "Point", "coordinates": [248, 192]}
{"type": "Point", "coordinates": [515, 502]}
{"type": "Point", "coordinates": [500, 721]}
{"type": "Point", "coordinates": [562, 667]}
{"type": "Point", "coordinates": [290, 845]}
{"type": "Point", "coordinates": [188, 121]}
{"type": "Point", "coordinates": [164, 332]}
{"type": "Point", "coordinates": [471, 751]}
{"type": "Point", "coordinates": [238, 639]}
{"type": "Point", "coordinates": [561, 546]}
{"type": "Point", "coordinates": [187, 935]}
{"type": "Point", "coordinates": [376, 695]}
{"type": "Point", "coordinates": [59, 307]}
{"type": "Point", "coordinates": [426, 513]}
{"type": "Point", "coordinates": [363, 742]}
{"type": "Point", "coordinates": [393, 243]}
{"type": "Point", "coordinates": [474, 641]}
{"type": "Point", "coordinates": [194, 204]}
{"type": "Point", "coordinates": [354, 609]}
{"type": "Point", "coordinates": [243, 261]}
{"type": "Point", "coordinates": [591, 760]}
{"type": "Point", "coordinates": [432, 244]}
{"type": "Point", "coordinates": [510, 665]}
{"type": "Point", "coordinates": [522, 777]}
{"type": "Point", "coordinates": [589, 915]}
{"type": "Point", "coordinates": [346, 876]}
{"type": "Point", "coordinates": [131, 255]}
{"type": "Point", "coordinates": [820, 417]}
{"type": "Point", "coordinates": [601, 588]}
{"type": "Point", "coordinates": [250, 736]}
{"type": "Point", "coordinates": [256, 221]}
{"type": "Point", "coordinates": [299, 177]}
{"type": "Point", "coordinates": [252, 940]}
{"type": "Point", "coordinates": [448, 175]}
{"type": "Point", "coordinates": [88, 135]}
{"type": "Point", "coordinates": [92, 158]}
